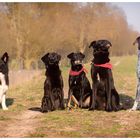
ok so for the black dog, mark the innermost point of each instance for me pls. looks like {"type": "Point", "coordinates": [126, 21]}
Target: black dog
{"type": "Point", "coordinates": [53, 87]}
{"type": "Point", "coordinates": [4, 79]}
{"type": "Point", "coordinates": [79, 86]}
{"type": "Point", "coordinates": [104, 94]}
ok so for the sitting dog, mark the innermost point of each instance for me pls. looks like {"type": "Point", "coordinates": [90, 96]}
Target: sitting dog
{"type": "Point", "coordinates": [53, 86]}
{"type": "Point", "coordinates": [4, 79]}
{"type": "Point", "coordinates": [104, 94]}
{"type": "Point", "coordinates": [79, 86]}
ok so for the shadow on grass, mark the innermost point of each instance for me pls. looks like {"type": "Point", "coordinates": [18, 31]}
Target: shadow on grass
{"type": "Point", "coordinates": [38, 109]}
{"type": "Point", "coordinates": [9, 102]}
{"type": "Point", "coordinates": [126, 101]}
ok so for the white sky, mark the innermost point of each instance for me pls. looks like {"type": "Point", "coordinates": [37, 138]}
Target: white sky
{"type": "Point", "coordinates": [132, 11]}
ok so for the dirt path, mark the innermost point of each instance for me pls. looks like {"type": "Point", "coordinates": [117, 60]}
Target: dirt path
{"type": "Point", "coordinates": [26, 122]}
{"type": "Point", "coordinates": [23, 124]}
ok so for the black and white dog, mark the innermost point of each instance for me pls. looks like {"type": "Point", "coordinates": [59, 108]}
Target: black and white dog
{"type": "Point", "coordinates": [4, 79]}
{"type": "Point", "coordinates": [137, 97]}
{"type": "Point", "coordinates": [53, 86]}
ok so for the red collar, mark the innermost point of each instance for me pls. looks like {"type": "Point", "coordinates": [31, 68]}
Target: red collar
{"type": "Point", "coordinates": [106, 65]}
{"type": "Point", "coordinates": [75, 73]}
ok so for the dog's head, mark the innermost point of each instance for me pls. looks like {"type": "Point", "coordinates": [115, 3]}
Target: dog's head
{"type": "Point", "coordinates": [100, 51]}
{"type": "Point", "coordinates": [51, 59]}
{"type": "Point", "coordinates": [100, 46]}
{"type": "Point", "coordinates": [137, 41]}
{"type": "Point", "coordinates": [76, 58]}
{"type": "Point", "coordinates": [4, 63]}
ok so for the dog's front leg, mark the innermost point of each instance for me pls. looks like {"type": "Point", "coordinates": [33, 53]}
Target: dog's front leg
{"type": "Point", "coordinates": [81, 97]}
{"type": "Point", "coordinates": [62, 100]}
{"type": "Point", "coordinates": [93, 97]}
{"type": "Point", "coordinates": [69, 99]}
{"type": "Point", "coordinates": [92, 101]}
{"type": "Point", "coordinates": [94, 88]}
{"type": "Point", "coordinates": [52, 100]}
{"type": "Point", "coordinates": [76, 103]}
{"type": "Point", "coordinates": [4, 107]}
{"type": "Point", "coordinates": [82, 91]}
{"type": "Point", "coordinates": [62, 106]}
{"type": "Point", "coordinates": [108, 92]}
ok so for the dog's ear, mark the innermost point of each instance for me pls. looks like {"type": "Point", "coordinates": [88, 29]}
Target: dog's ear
{"type": "Point", "coordinates": [137, 40]}
{"type": "Point", "coordinates": [45, 58]}
{"type": "Point", "coordinates": [108, 44]}
{"type": "Point", "coordinates": [92, 44]}
{"type": "Point", "coordinates": [5, 57]}
{"type": "Point", "coordinates": [70, 55]}
{"type": "Point", "coordinates": [82, 55]}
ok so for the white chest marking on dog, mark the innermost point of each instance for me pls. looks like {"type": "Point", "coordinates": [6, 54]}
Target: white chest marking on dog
{"type": "Point", "coordinates": [3, 89]}
{"type": "Point", "coordinates": [3, 82]}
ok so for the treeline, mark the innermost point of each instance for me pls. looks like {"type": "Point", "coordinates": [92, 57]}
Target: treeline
{"type": "Point", "coordinates": [29, 30]}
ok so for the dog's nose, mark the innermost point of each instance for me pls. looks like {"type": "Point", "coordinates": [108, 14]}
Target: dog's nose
{"type": "Point", "coordinates": [108, 45]}
{"type": "Point", "coordinates": [78, 62]}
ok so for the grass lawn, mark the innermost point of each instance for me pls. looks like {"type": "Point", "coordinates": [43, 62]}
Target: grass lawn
{"type": "Point", "coordinates": [79, 122]}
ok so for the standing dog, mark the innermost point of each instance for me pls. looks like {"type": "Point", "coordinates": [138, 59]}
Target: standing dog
{"type": "Point", "coordinates": [104, 94]}
{"type": "Point", "coordinates": [4, 79]}
{"type": "Point", "coordinates": [53, 86]}
{"type": "Point", "coordinates": [79, 86]}
{"type": "Point", "coordinates": [137, 98]}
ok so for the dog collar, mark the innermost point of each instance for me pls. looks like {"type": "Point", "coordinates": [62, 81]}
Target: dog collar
{"type": "Point", "coordinates": [106, 65]}
{"type": "Point", "coordinates": [75, 73]}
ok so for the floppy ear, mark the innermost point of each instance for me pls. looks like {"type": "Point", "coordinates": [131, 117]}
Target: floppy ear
{"type": "Point", "coordinates": [83, 56]}
{"type": "Point", "coordinates": [5, 57]}
{"type": "Point", "coordinates": [92, 44]}
{"type": "Point", "coordinates": [45, 58]}
{"type": "Point", "coordinates": [70, 55]}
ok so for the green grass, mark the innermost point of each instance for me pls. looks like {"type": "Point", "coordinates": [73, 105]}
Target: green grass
{"type": "Point", "coordinates": [3, 118]}
{"type": "Point", "coordinates": [80, 122]}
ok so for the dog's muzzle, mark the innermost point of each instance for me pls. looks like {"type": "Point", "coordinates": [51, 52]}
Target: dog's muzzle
{"type": "Point", "coordinates": [77, 62]}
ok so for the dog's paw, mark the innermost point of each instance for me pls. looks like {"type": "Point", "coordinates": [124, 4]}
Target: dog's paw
{"type": "Point", "coordinates": [44, 111]}
{"type": "Point", "coordinates": [5, 108]}
{"type": "Point", "coordinates": [80, 105]}
{"type": "Point", "coordinates": [69, 108]}
{"type": "Point", "coordinates": [108, 108]}
{"type": "Point", "coordinates": [62, 107]}
{"type": "Point", "coordinates": [116, 109]}
{"type": "Point", "coordinates": [132, 109]}
{"type": "Point", "coordinates": [91, 109]}
{"type": "Point", "coordinates": [76, 106]}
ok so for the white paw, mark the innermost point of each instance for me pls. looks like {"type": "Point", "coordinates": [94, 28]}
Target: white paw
{"type": "Point", "coordinates": [5, 108]}
{"type": "Point", "coordinates": [132, 109]}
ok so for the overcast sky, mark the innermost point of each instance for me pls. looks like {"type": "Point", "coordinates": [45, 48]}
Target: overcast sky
{"type": "Point", "coordinates": [132, 11]}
